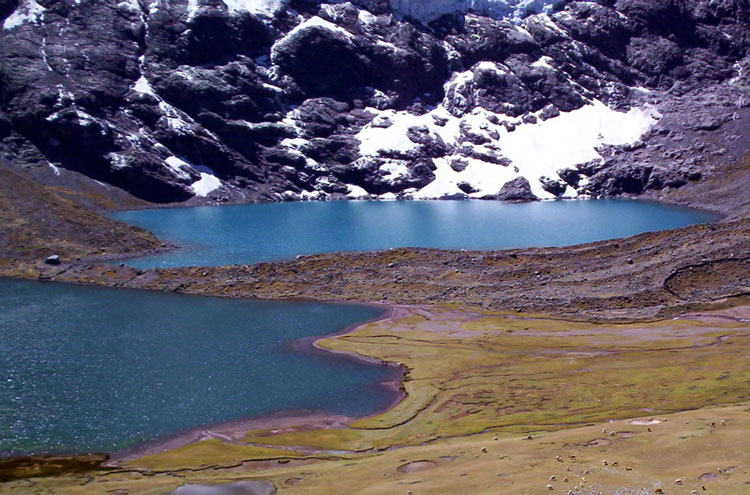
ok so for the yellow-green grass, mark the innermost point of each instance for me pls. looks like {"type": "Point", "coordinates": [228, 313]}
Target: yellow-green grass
{"type": "Point", "coordinates": [468, 374]}
{"type": "Point", "coordinates": [693, 447]}
{"type": "Point", "coordinates": [210, 453]}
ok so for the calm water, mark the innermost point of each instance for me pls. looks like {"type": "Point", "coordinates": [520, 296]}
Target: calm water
{"type": "Point", "coordinates": [94, 369]}
{"type": "Point", "coordinates": [252, 233]}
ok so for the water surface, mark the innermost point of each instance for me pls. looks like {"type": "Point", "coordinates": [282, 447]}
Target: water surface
{"type": "Point", "coordinates": [251, 233]}
{"type": "Point", "coordinates": [95, 369]}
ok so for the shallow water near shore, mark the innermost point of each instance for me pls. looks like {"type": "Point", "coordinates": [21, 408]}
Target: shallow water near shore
{"type": "Point", "coordinates": [246, 234]}
{"type": "Point", "coordinates": [95, 369]}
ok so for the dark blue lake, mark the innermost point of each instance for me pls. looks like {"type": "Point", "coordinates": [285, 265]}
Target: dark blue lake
{"type": "Point", "coordinates": [94, 369]}
{"type": "Point", "coordinates": [251, 233]}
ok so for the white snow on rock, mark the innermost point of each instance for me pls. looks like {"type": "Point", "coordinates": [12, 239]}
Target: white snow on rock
{"type": "Point", "coordinates": [27, 11]}
{"type": "Point", "coordinates": [571, 139]}
{"type": "Point", "coordinates": [533, 150]}
{"type": "Point", "coordinates": [257, 7]}
{"type": "Point", "coordinates": [177, 166]}
{"type": "Point", "coordinates": [117, 160]}
{"type": "Point", "coordinates": [193, 6]}
{"type": "Point", "coordinates": [314, 22]}
{"type": "Point", "coordinates": [143, 86]}
{"type": "Point", "coordinates": [356, 192]}
{"type": "Point", "coordinates": [176, 118]}
{"type": "Point", "coordinates": [426, 11]}
{"type": "Point", "coordinates": [543, 63]}
{"type": "Point", "coordinates": [207, 183]}
{"type": "Point", "coordinates": [393, 170]}
{"type": "Point", "coordinates": [203, 186]}
{"type": "Point", "coordinates": [545, 21]}
{"type": "Point", "coordinates": [366, 17]}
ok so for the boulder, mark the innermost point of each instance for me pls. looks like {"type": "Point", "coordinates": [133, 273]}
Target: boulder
{"type": "Point", "coordinates": [553, 186]}
{"type": "Point", "coordinates": [517, 189]}
{"type": "Point", "coordinates": [570, 175]}
{"type": "Point", "coordinates": [466, 187]}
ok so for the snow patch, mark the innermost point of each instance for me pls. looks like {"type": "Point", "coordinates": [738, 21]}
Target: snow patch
{"type": "Point", "coordinates": [203, 186]}
{"type": "Point", "coordinates": [175, 118]}
{"type": "Point", "coordinates": [130, 5]}
{"type": "Point", "coordinates": [427, 11]}
{"type": "Point", "coordinates": [366, 18]}
{"type": "Point", "coordinates": [531, 150]}
{"type": "Point", "coordinates": [738, 78]}
{"type": "Point", "coordinates": [373, 139]}
{"type": "Point", "coordinates": [143, 86]}
{"type": "Point", "coordinates": [393, 170]}
{"type": "Point", "coordinates": [177, 166]}
{"type": "Point", "coordinates": [117, 160]}
{"type": "Point", "coordinates": [207, 183]}
{"type": "Point", "coordinates": [44, 54]}
{"type": "Point", "coordinates": [570, 139]}
{"type": "Point", "coordinates": [258, 7]}
{"type": "Point", "coordinates": [28, 11]}
{"type": "Point", "coordinates": [314, 22]}
{"type": "Point", "coordinates": [192, 9]}
{"type": "Point", "coordinates": [546, 21]}
{"type": "Point", "coordinates": [544, 63]}
{"type": "Point", "coordinates": [356, 192]}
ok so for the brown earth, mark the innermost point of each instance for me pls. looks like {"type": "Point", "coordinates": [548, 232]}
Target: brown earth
{"type": "Point", "coordinates": [39, 221]}
{"type": "Point", "coordinates": [48, 465]}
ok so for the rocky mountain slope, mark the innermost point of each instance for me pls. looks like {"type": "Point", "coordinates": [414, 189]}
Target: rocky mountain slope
{"type": "Point", "coordinates": [41, 221]}
{"type": "Point", "coordinates": [241, 100]}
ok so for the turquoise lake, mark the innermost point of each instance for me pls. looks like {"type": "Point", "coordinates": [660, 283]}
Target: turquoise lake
{"type": "Point", "coordinates": [94, 369]}
{"type": "Point", "coordinates": [252, 233]}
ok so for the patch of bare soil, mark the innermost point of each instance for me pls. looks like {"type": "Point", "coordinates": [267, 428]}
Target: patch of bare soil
{"type": "Point", "coordinates": [417, 466]}
{"type": "Point", "coordinates": [39, 221]}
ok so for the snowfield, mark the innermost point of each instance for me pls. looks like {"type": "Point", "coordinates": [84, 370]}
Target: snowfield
{"type": "Point", "coordinates": [534, 150]}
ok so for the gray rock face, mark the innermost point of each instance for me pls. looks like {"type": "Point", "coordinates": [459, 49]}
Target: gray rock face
{"type": "Point", "coordinates": [516, 190]}
{"type": "Point", "coordinates": [162, 98]}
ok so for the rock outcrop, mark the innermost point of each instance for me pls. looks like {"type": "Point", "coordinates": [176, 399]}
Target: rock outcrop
{"type": "Point", "coordinates": [216, 101]}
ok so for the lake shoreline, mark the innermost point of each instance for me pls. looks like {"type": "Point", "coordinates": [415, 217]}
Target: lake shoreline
{"type": "Point", "coordinates": [235, 429]}
{"type": "Point", "coordinates": [234, 234]}
{"type": "Point", "coordinates": [169, 246]}
{"type": "Point", "coordinates": [232, 430]}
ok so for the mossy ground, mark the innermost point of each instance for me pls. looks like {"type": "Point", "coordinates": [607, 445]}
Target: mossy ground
{"type": "Point", "coordinates": [474, 377]}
